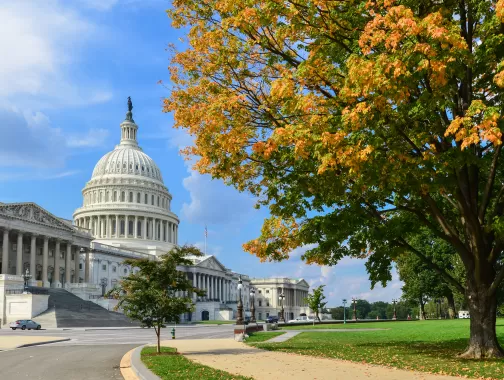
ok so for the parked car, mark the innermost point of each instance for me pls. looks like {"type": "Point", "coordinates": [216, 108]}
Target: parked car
{"type": "Point", "coordinates": [464, 314]}
{"type": "Point", "coordinates": [272, 319]}
{"type": "Point", "coordinates": [301, 319]}
{"type": "Point", "coordinates": [24, 324]}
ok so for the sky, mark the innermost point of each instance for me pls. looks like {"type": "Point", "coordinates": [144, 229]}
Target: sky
{"type": "Point", "coordinates": [66, 71]}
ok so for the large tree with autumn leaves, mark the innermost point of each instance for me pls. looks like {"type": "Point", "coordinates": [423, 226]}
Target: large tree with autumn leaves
{"type": "Point", "coordinates": [356, 122]}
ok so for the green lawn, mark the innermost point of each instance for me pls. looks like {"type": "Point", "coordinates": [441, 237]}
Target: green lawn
{"type": "Point", "coordinates": [257, 337]}
{"type": "Point", "coordinates": [429, 346]}
{"type": "Point", "coordinates": [177, 367]}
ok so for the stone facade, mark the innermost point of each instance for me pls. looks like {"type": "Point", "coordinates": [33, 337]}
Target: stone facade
{"type": "Point", "coordinates": [268, 290]}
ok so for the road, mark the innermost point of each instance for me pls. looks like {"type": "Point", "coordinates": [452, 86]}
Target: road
{"type": "Point", "coordinates": [91, 354]}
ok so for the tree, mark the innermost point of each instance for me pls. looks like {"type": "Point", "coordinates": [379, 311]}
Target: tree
{"type": "Point", "coordinates": [362, 307]}
{"type": "Point", "coordinates": [149, 295]}
{"type": "Point", "coordinates": [315, 300]}
{"type": "Point", "coordinates": [337, 313]}
{"type": "Point", "coordinates": [355, 122]}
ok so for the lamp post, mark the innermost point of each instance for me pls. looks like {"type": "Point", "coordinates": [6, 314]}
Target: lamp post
{"type": "Point", "coordinates": [252, 305]}
{"type": "Point", "coordinates": [395, 313]}
{"type": "Point", "coordinates": [281, 297]}
{"type": "Point", "coordinates": [344, 310]}
{"type": "Point", "coordinates": [239, 317]}
{"type": "Point", "coordinates": [354, 300]}
{"type": "Point", "coordinates": [26, 276]}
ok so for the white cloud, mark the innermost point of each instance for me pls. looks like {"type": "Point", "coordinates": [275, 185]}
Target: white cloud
{"type": "Point", "coordinates": [93, 138]}
{"type": "Point", "coordinates": [40, 41]}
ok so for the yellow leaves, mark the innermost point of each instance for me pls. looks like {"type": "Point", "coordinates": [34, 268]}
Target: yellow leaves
{"type": "Point", "coordinates": [477, 125]}
{"type": "Point", "coordinates": [499, 10]}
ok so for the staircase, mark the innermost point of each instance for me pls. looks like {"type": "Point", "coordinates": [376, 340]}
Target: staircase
{"type": "Point", "coordinates": [67, 310]}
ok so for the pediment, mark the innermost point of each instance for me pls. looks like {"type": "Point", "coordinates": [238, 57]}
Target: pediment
{"type": "Point", "coordinates": [31, 212]}
{"type": "Point", "coordinates": [303, 282]}
{"type": "Point", "coordinates": [211, 263]}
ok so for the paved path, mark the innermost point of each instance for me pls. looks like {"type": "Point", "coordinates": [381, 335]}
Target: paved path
{"type": "Point", "coordinates": [13, 341]}
{"type": "Point", "coordinates": [292, 333]}
{"type": "Point", "coordinates": [63, 363]}
{"type": "Point", "coordinates": [238, 358]}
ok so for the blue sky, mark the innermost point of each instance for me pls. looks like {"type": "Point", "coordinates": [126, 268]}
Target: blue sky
{"type": "Point", "coordinates": [66, 71]}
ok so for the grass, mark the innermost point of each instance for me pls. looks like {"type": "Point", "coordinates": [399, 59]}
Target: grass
{"type": "Point", "coordinates": [214, 323]}
{"type": "Point", "coordinates": [257, 337]}
{"type": "Point", "coordinates": [429, 346]}
{"type": "Point", "coordinates": [172, 366]}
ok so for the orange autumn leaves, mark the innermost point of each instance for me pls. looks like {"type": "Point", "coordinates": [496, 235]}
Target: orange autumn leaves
{"type": "Point", "coordinates": [282, 83]}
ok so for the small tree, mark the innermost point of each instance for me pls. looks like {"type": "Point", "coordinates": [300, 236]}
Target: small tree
{"type": "Point", "coordinates": [149, 295]}
{"type": "Point", "coordinates": [315, 300]}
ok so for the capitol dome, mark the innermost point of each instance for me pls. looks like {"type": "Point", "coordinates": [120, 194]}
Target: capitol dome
{"type": "Point", "coordinates": [126, 203]}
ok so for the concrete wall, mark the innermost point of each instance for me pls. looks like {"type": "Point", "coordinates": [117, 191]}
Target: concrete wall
{"type": "Point", "coordinates": [25, 306]}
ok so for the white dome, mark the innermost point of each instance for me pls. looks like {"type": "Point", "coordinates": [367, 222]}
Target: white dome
{"type": "Point", "coordinates": [127, 160]}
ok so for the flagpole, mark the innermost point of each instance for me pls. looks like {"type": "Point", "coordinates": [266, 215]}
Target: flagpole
{"type": "Point", "coordinates": [206, 235]}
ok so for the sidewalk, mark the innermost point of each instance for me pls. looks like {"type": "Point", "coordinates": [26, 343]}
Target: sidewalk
{"type": "Point", "coordinates": [16, 341]}
{"type": "Point", "coordinates": [238, 358]}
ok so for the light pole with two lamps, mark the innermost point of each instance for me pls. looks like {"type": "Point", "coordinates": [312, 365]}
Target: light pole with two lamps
{"type": "Point", "coordinates": [281, 297]}
{"type": "Point", "coordinates": [394, 301]}
{"type": "Point", "coordinates": [26, 276]}
{"type": "Point", "coordinates": [239, 316]}
{"type": "Point", "coordinates": [354, 300]}
{"type": "Point", "coordinates": [252, 305]}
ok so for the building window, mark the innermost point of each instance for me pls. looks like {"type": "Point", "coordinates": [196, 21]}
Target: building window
{"type": "Point", "coordinates": [104, 267]}
{"type": "Point", "coordinates": [152, 200]}
{"type": "Point", "coordinates": [139, 228]}
{"type": "Point", "coordinates": [123, 197]}
{"type": "Point", "coordinates": [260, 316]}
{"type": "Point", "coordinates": [51, 253]}
{"type": "Point", "coordinates": [73, 256]}
{"type": "Point", "coordinates": [259, 291]}
{"type": "Point", "coordinates": [80, 265]}
{"type": "Point", "coordinates": [267, 291]}
{"type": "Point", "coordinates": [158, 201]}
{"type": "Point", "coordinates": [40, 251]}
{"type": "Point", "coordinates": [114, 269]}
{"type": "Point", "coordinates": [260, 303]}
{"type": "Point", "coordinates": [138, 197]}
{"type": "Point", "coordinates": [130, 227]}
{"type": "Point", "coordinates": [267, 315]}
{"type": "Point", "coordinates": [267, 303]}
{"type": "Point", "coordinates": [62, 255]}
{"type": "Point", "coordinates": [146, 199]}
{"type": "Point", "coordinates": [125, 271]}
{"type": "Point", "coordinates": [131, 197]}
{"type": "Point", "coordinates": [122, 227]}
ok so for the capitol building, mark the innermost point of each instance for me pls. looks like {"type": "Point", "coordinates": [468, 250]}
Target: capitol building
{"type": "Point", "coordinates": [126, 213]}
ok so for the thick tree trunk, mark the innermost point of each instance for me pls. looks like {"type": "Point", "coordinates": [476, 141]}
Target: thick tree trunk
{"type": "Point", "coordinates": [451, 305]}
{"type": "Point", "coordinates": [482, 308]}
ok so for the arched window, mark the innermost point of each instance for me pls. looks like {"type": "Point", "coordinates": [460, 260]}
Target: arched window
{"type": "Point", "coordinates": [123, 197]}
{"type": "Point", "coordinates": [138, 197]}
{"type": "Point", "coordinates": [94, 197]}
{"type": "Point", "coordinates": [131, 197]}
{"type": "Point", "coordinates": [158, 201]}
{"type": "Point", "coordinates": [99, 197]}
{"type": "Point", "coordinates": [146, 199]}
{"type": "Point", "coordinates": [115, 196]}
{"type": "Point", "coordinates": [107, 196]}
{"type": "Point", "coordinates": [139, 228]}
{"type": "Point", "coordinates": [122, 227]}
{"type": "Point", "coordinates": [130, 227]}
{"type": "Point", "coordinates": [152, 200]}
{"type": "Point", "coordinates": [137, 167]}
{"type": "Point", "coordinates": [124, 165]}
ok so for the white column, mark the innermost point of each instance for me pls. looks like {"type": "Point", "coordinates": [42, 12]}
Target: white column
{"type": "Point", "coordinates": [109, 227]}
{"type": "Point", "coordinates": [5, 252]}
{"type": "Point", "coordinates": [205, 284]}
{"type": "Point", "coordinates": [76, 265]}
{"type": "Point", "coordinates": [56, 273]}
{"type": "Point", "coordinates": [19, 254]}
{"type": "Point", "coordinates": [33, 265]}
{"type": "Point", "coordinates": [68, 269]}
{"type": "Point", "coordinates": [86, 267]}
{"type": "Point", "coordinates": [45, 259]}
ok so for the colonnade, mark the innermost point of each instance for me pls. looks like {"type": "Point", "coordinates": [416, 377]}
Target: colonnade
{"type": "Point", "coordinates": [62, 258]}
{"type": "Point", "coordinates": [217, 288]}
{"type": "Point", "coordinates": [130, 226]}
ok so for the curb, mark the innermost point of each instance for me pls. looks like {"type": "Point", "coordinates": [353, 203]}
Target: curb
{"type": "Point", "coordinates": [41, 343]}
{"type": "Point", "coordinates": [139, 369]}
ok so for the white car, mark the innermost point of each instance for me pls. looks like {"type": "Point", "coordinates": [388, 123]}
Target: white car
{"type": "Point", "coordinates": [301, 319]}
{"type": "Point", "coordinates": [24, 324]}
{"type": "Point", "coordinates": [464, 314]}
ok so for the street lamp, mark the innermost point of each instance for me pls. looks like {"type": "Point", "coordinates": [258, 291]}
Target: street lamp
{"type": "Point", "coordinates": [395, 313]}
{"type": "Point", "coordinates": [26, 276]}
{"type": "Point", "coordinates": [281, 297]}
{"type": "Point", "coordinates": [344, 310]}
{"type": "Point", "coordinates": [354, 300]}
{"type": "Point", "coordinates": [252, 307]}
{"type": "Point", "coordinates": [239, 317]}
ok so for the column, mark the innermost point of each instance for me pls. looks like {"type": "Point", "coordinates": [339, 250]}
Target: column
{"type": "Point", "coordinates": [135, 228]}
{"type": "Point", "coordinates": [19, 254]}
{"type": "Point", "coordinates": [205, 284]}
{"type": "Point", "coordinates": [214, 287]}
{"type": "Point", "coordinates": [45, 259]}
{"type": "Point", "coordinates": [76, 265]}
{"type": "Point", "coordinates": [221, 289]}
{"type": "Point", "coordinates": [126, 226]}
{"type": "Point", "coordinates": [86, 267]}
{"type": "Point", "coordinates": [164, 231]}
{"type": "Point", "coordinates": [117, 226]}
{"type": "Point", "coordinates": [108, 231]}
{"type": "Point", "coordinates": [56, 273]}
{"type": "Point", "coordinates": [33, 255]}
{"type": "Point", "coordinates": [175, 234]}
{"type": "Point", "coordinates": [68, 270]}
{"type": "Point", "coordinates": [5, 252]}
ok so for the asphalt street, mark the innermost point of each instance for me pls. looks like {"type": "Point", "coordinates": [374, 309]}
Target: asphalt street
{"type": "Point", "coordinates": [91, 354]}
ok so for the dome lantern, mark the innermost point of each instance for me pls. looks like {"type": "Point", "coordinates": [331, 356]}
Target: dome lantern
{"type": "Point", "coordinates": [129, 128]}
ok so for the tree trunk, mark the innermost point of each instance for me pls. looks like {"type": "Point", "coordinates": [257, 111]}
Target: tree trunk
{"type": "Point", "coordinates": [451, 305]}
{"type": "Point", "coordinates": [422, 310]}
{"type": "Point", "coordinates": [158, 335]}
{"type": "Point", "coordinates": [482, 309]}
